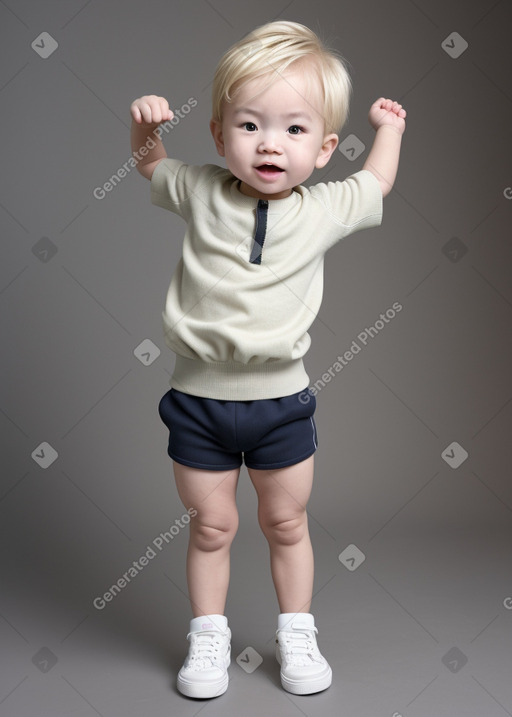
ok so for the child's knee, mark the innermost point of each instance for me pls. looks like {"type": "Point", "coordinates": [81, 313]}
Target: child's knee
{"type": "Point", "coordinates": [213, 534]}
{"type": "Point", "coordinates": [286, 530]}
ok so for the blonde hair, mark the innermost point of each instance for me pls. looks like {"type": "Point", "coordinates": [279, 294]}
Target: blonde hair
{"type": "Point", "coordinates": [272, 48]}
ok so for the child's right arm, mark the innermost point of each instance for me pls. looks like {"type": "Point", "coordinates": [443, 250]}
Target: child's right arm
{"type": "Point", "coordinates": [147, 113]}
{"type": "Point", "coordinates": [388, 120]}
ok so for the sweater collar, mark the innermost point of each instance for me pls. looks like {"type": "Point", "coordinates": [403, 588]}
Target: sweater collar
{"type": "Point", "coordinates": [243, 200]}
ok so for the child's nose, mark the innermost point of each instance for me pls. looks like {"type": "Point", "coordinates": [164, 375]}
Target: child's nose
{"type": "Point", "coordinates": [269, 143]}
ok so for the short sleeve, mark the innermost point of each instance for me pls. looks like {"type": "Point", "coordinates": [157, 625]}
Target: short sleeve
{"type": "Point", "coordinates": [352, 205]}
{"type": "Point", "coordinates": [174, 184]}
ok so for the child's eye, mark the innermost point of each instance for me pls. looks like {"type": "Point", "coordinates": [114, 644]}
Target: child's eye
{"type": "Point", "coordinates": [249, 126]}
{"type": "Point", "coordinates": [295, 129]}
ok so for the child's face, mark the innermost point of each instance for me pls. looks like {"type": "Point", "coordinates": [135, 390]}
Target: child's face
{"type": "Point", "coordinates": [280, 127]}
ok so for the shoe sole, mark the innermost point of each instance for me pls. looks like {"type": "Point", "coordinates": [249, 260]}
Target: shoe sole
{"type": "Point", "coordinates": [305, 687]}
{"type": "Point", "coordinates": [202, 691]}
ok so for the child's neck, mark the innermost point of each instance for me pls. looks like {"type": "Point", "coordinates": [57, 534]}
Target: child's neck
{"type": "Point", "coordinates": [251, 192]}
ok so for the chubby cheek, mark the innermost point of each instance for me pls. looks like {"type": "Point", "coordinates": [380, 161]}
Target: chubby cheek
{"type": "Point", "coordinates": [303, 164]}
{"type": "Point", "coordinates": [232, 158]}
{"type": "Point", "coordinates": [236, 155]}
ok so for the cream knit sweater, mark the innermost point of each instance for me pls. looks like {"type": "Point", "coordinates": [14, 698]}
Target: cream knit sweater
{"type": "Point", "coordinates": [240, 329]}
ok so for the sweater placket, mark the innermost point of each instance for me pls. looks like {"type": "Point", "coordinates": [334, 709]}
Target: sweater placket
{"type": "Point", "coordinates": [260, 231]}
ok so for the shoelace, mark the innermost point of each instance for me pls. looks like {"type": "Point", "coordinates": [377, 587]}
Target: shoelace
{"type": "Point", "coordinates": [300, 645]}
{"type": "Point", "coordinates": [204, 649]}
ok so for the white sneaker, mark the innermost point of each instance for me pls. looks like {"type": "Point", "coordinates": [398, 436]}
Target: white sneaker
{"type": "Point", "coordinates": [205, 670]}
{"type": "Point", "coordinates": [303, 669]}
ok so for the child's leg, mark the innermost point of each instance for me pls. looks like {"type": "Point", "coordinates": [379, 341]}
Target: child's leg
{"type": "Point", "coordinates": [213, 495]}
{"type": "Point", "coordinates": [282, 497]}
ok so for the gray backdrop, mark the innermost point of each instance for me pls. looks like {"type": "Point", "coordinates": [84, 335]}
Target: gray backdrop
{"type": "Point", "coordinates": [411, 511]}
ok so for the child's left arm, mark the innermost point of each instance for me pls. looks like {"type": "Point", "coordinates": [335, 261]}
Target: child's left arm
{"type": "Point", "coordinates": [388, 119]}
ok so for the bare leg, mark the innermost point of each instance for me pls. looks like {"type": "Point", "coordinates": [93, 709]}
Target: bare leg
{"type": "Point", "coordinates": [282, 498]}
{"type": "Point", "coordinates": [213, 495]}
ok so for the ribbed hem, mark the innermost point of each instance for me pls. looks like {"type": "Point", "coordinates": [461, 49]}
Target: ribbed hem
{"type": "Point", "coordinates": [234, 381]}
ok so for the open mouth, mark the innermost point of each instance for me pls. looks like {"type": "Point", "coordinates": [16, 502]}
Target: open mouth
{"type": "Point", "coordinates": [269, 168]}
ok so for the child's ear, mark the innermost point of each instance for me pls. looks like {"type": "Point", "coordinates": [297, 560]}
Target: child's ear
{"type": "Point", "coordinates": [216, 130]}
{"type": "Point", "coordinates": [329, 145]}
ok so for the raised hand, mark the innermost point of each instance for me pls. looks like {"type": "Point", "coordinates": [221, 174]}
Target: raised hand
{"type": "Point", "coordinates": [387, 112]}
{"type": "Point", "coordinates": [150, 110]}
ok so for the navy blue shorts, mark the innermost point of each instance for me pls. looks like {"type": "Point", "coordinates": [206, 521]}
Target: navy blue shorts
{"type": "Point", "coordinates": [219, 435]}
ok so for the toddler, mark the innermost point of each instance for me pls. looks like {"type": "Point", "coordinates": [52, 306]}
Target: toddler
{"type": "Point", "coordinates": [238, 309]}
